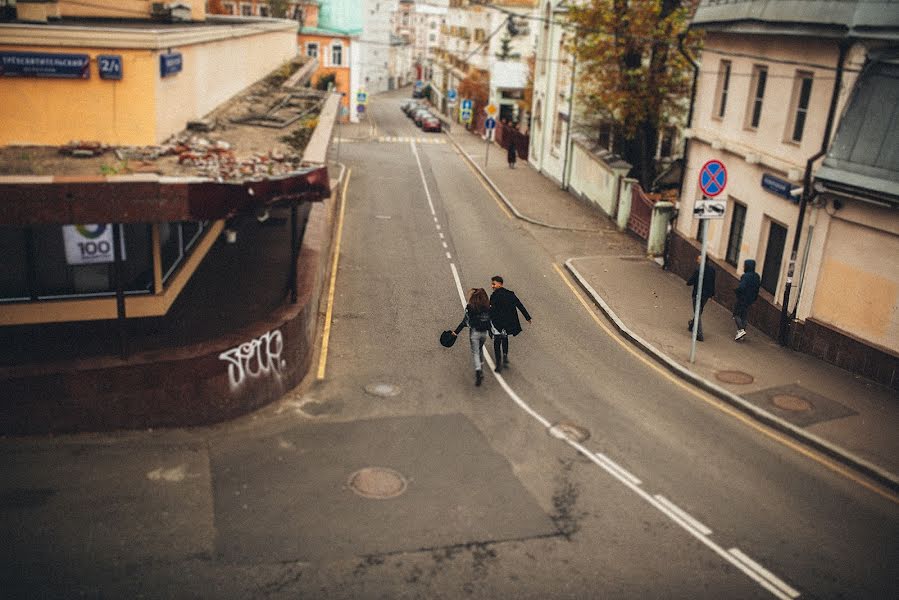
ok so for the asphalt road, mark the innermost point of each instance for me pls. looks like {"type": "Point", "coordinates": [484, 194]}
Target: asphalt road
{"type": "Point", "coordinates": [481, 492]}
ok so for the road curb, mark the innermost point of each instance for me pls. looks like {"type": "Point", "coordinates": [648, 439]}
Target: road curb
{"type": "Point", "coordinates": [842, 455]}
{"type": "Point", "coordinates": [506, 201]}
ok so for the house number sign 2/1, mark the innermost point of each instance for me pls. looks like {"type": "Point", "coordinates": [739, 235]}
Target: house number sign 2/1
{"type": "Point", "coordinates": [109, 66]}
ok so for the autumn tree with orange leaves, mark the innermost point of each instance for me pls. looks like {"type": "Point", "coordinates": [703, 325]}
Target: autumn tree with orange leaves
{"type": "Point", "coordinates": [631, 72]}
{"type": "Point", "coordinates": [476, 88]}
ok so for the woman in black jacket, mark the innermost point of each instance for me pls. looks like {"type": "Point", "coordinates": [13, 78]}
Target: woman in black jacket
{"type": "Point", "coordinates": [477, 319]}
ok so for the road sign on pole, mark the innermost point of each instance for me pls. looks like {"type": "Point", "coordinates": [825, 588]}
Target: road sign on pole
{"type": "Point", "coordinates": [490, 109]}
{"type": "Point", "coordinates": [466, 104]}
{"type": "Point", "coordinates": [490, 123]}
{"type": "Point", "coordinates": [361, 97]}
{"type": "Point", "coordinates": [712, 178]}
{"type": "Point", "coordinates": [709, 208]}
{"type": "Point", "coordinates": [451, 96]}
{"type": "Point", "coordinates": [465, 115]}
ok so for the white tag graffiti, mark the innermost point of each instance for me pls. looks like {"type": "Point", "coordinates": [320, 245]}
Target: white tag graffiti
{"type": "Point", "coordinates": [254, 359]}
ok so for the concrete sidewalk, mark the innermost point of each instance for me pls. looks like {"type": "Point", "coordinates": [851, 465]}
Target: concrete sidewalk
{"type": "Point", "coordinates": [845, 416]}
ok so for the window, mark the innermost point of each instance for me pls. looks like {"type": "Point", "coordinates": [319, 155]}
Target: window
{"type": "Point", "coordinates": [312, 49]}
{"type": "Point", "coordinates": [557, 130]}
{"type": "Point", "coordinates": [723, 88]}
{"type": "Point", "coordinates": [666, 142]}
{"type": "Point", "coordinates": [432, 37]}
{"type": "Point", "coordinates": [735, 238]}
{"type": "Point", "coordinates": [336, 54]}
{"type": "Point", "coordinates": [263, 11]}
{"type": "Point", "coordinates": [228, 7]}
{"type": "Point", "coordinates": [246, 10]}
{"type": "Point", "coordinates": [802, 92]}
{"type": "Point", "coordinates": [759, 79]}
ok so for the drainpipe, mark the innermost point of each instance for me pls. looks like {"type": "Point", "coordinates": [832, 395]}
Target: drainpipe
{"type": "Point", "coordinates": [683, 172]}
{"type": "Point", "coordinates": [807, 195]}
{"type": "Point", "coordinates": [566, 167]}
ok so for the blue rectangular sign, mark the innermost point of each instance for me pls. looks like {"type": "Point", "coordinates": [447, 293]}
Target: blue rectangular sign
{"type": "Point", "coordinates": [43, 64]}
{"type": "Point", "coordinates": [109, 66]}
{"type": "Point", "coordinates": [466, 104]}
{"type": "Point", "coordinates": [170, 63]}
{"type": "Point", "coordinates": [778, 187]}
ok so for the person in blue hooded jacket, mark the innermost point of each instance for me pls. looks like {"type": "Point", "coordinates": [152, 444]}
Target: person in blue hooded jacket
{"type": "Point", "coordinates": [747, 291]}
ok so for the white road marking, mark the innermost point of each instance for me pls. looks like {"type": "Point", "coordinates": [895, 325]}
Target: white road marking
{"type": "Point", "coordinates": [441, 235]}
{"type": "Point", "coordinates": [444, 245]}
{"type": "Point", "coordinates": [449, 256]}
{"type": "Point", "coordinates": [768, 575]}
{"type": "Point", "coordinates": [684, 515]}
{"type": "Point", "coordinates": [687, 524]}
{"type": "Point", "coordinates": [616, 467]}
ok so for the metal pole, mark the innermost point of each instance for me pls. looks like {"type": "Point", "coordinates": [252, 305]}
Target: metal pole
{"type": "Point", "coordinates": [487, 151]}
{"type": "Point", "coordinates": [119, 290]}
{"type": "Point", "coordinates": [705, 230]}
{"type": "Point", "coordinates": [293, 253]}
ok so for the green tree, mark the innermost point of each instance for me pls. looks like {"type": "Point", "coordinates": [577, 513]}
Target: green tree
{"type": "Point", "coordinates": [279, 8]}
{"type": "Point", "coordinates": [505, 49]}
{"type": "Point", "coordinates": [630, 70]}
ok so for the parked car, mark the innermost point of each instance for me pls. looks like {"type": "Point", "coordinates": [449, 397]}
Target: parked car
{"type": "Point", "coordinates": [419, 115]}
{"type": "Point", "coordinates": [411, 108]}
{"type": "Point", "coordinates": [418, 93]}
{"type": "Point", "coordinates": [431, 123]}
{"type": "Point", "coordinates": [405, 104]}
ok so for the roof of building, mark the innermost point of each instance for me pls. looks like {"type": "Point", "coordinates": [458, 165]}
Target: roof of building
{"type": "Point", "coordinates": [864, 157]}
{"type": "Point", "coordinates": [834, 18]}
{"type": "Point", "coordinates": [341, 15]}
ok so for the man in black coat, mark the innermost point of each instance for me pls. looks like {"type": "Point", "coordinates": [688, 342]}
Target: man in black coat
{"type": "Point", "coordinates": [708, 290]}
{"type": "Point", "coordinates": [504, 307]}
{"type": "Point", "coordinates": [747, 291]}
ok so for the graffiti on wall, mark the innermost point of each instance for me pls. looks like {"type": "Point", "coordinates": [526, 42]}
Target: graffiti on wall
{"type": "Point", "coordinates": [257, 358]}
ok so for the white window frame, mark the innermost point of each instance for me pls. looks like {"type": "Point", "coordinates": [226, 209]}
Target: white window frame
{"type": "Point", "coordinates": [756, 98]}
{"type": "Point", "coordinates": [312, 45]}
{"type": "Point", "coordinates": [796, 108]}
{"type": "Point", "coordinates": [725, 70]}
{"type": "Point", "coordinates": [335, 45]}
{"type": "Point", "coordinates": [246, 7]}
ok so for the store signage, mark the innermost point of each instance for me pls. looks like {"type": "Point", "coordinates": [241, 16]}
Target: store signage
{"type": "Point", "coordinates": [109, 66]}
{"type": "Point", "coordinates": [779, 187]}
{"type": "Point", "coordinates": [41, 64]}
{"type": "Point", "coordinates": [170, 63]}
{"type": "Point", "coordinates": [89, 244]}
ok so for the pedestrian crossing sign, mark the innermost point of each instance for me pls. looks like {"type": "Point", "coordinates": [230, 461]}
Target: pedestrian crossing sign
{"type": "Point", "coordinates": [465, 115]}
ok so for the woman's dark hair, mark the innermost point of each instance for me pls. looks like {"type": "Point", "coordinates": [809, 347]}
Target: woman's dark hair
{"type": "Point", "coordinates": [478, 299]}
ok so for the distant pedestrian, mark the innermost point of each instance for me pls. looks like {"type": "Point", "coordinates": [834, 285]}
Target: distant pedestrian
{"type": "Point", "coordinates": [511, 152]}
{"type": "Point", "coordinates": [504, 307]}
{"type": "Point", "coordinates": [747, 291]}
{"type": "Point", "coordinates": [708, 290]}
{"type": "Point", "coordinates": [477, 319]}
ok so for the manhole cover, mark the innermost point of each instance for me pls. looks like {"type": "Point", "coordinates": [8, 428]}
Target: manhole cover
{"type": "Point", "coordinates": [379, 483]}
{"type": "Point", "coordinates": [791, 402]}
{"type": "Point", "coordinates": [385, 390]}
{"type": "Point", "coordinates": [566, 430]}
{"type": "Point", "coordinates": [734, 377]}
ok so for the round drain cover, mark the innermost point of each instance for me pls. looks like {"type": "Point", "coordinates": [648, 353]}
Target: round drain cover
{"type": "Point", "coordinates": [377, 482]}
{"type": "Point", "coordinates": [567, 430]}
{"type": "Point", "coordinates": [791, 403]}
{"type": "Point", "coordinates": [738, 377]}
{"type": "Point", "coordinates": [385, 390]}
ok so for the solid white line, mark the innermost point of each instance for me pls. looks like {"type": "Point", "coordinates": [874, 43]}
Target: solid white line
{"type": "Point", "coordinates": [621, 470]}
{"type": "Point", "coordinates": [771, 577]}
{"type": "Point", "coordinates": [684, 515]}
{"type": "Point", "coordinates": [615, 471]}
{"type": "Point", "coordinates": [423, 180]}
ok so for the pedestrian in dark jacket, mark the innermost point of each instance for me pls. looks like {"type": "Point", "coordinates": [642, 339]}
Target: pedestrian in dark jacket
{"type": "Point", "coordinates": [504, 307]}
{"type": "Point", "coordinates": [477, 319]}
{"type": "Point", "coordinates": [708, 290]}
{"type": "Point", "coordinates": [511, 152]}
{"type": "Point", "coordinates": [747, 291]}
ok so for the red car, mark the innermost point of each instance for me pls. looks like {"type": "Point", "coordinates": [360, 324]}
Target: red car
{"type": "Point", "coordinates": [431, 123]}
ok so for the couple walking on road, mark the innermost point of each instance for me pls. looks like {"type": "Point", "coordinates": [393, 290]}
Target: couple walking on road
{"type": "Point", "coordinates": [495, 317]}
{"type": "Point", "coordinates": [746, 293]}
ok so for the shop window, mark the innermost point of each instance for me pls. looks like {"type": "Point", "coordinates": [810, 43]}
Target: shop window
{"type": "Point", "coordinates": [175, 241]}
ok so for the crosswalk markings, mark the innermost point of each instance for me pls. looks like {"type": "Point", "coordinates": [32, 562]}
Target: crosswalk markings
{"type": "Point", "coordinates": [389, 139]}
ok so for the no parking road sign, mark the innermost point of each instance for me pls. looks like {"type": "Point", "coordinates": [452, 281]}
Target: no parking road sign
{"type": "Point", "coordinates": [712, 178]}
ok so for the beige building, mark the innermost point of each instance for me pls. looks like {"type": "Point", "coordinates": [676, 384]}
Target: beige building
{"type": "Point", "coordinates": [778, 81]}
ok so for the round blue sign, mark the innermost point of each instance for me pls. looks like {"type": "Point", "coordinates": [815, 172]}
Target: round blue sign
{"type": "Point", "coordinates": [712, 178]}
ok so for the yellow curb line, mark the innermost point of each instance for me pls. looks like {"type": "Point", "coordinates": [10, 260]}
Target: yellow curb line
{"type": "Point", "coordinates": [326, 333]}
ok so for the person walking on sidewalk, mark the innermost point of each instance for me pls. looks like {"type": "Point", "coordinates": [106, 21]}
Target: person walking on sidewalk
{"type": "Point", "coordinates": [708, 290]}
{"type": "Point", "coordinates": [747, 291]}
{"type": "Point", "coordinates": [504, 307]}
{"type": "Point", "coordinates": [511, 152]}
{"type": "Point", "coordinates": [477, 319]}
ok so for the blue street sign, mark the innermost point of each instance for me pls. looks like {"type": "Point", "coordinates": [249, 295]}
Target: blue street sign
{"type": "Point", "coordinates": [451, 95]}
{"type": "Point", "coordinates": [110, 66]}
{"type": "Point", "coordinates": [465, 115]}
{"type": "Point", "coordinates": [43, 64]}
{"type": "Point", "coordinates": [419, 84]}
{"type": "Point", "coordinates": [361, 97]}
{"type": "Point", "coordinates": [490, 123]}
{"type": "Point", "coordinates": [170, 63]}
{"type": "Point", "coordinates": [360, 108]}
{"type": "Point", "coordinates": [466, 104]}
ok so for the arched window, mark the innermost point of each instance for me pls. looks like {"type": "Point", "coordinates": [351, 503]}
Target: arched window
{"type": "Point", "coordinates": [336, 54]}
